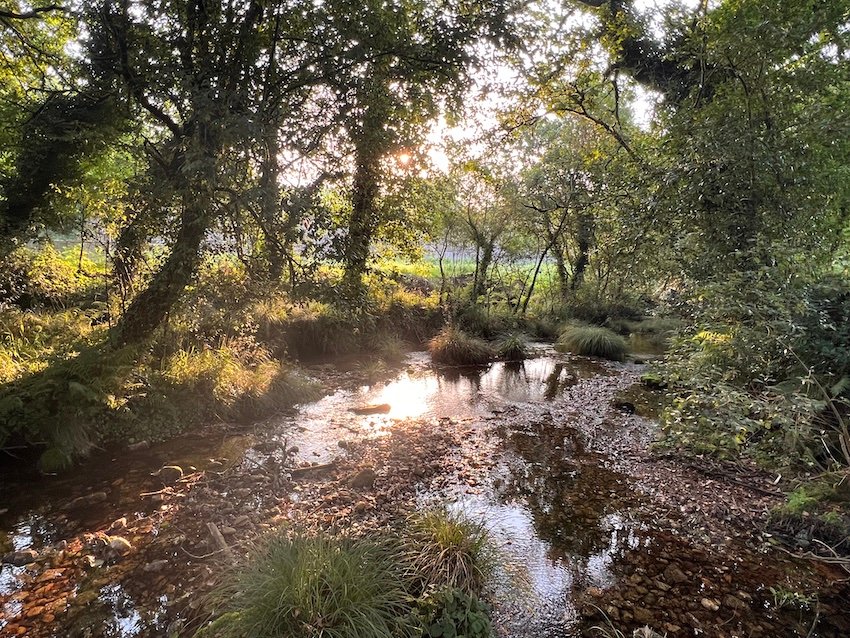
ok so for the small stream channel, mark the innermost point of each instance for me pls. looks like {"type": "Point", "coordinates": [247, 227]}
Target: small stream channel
{"type": "Point", "coordinates": [563, 514]}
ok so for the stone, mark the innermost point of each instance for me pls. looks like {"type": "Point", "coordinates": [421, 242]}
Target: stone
{"type": "Point", "coordinates": [674, 575]}
{"type": "Point", "coordinates": [360, 507]}
{"type": "Point", "coordinates": [241, 521]}
{"type": "Point", "coordinates": [365, 478]}
{"type": "Point", "coordinates": [642, 615]}
{"type": "Point", "coordinates": [710, 604]}
{"type": "Point", "coordinates": [119, 545]}
{"type": "Point", "coordinates": [141, 445]}
{"type": "Point", "coordinates": [169, 474]}
{"type": "Point", "coordinates": [735, 603]}
{"type": "Point", "coordinates": [156, 565]}
{"type": "Point", "coordinates": [380, 408]}
{"type": "Point", "coordinates": [20, 558]}
{"type": "Point", "coordinates": [84, 501]}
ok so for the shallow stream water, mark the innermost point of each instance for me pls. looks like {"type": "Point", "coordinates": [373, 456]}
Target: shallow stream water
{"type": "Point", "coordinates": [543, 469]}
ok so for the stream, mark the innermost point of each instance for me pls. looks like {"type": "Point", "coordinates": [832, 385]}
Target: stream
{"type": "Point", "coordinates": [553, 454]}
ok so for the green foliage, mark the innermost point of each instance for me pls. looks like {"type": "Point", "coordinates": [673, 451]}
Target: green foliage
{"type": "Point", "coordinates": [31, 279]}
{"type": "Point", "coordinates": [317, 586]}
{"type": "Point", "coordinates": [453, 613]}
{"type": "Point", "coordinates": [592, 341]}
{"type": "Point", "coordinates": [760, 370]}
{"type": "Point", "coordinates": [448, 549]}
{"type": "Point", "coordinates": [512, 347]}
{"type": "Point", "coordinates": [452, 346]}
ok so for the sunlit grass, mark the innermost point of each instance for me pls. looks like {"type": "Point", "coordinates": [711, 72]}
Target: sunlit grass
{"type": "Point", "coordinates": [513, 347]}
{"type": "Point", "coordinates": [452, 346]}
{"type": "Point", "coordinates": [448, 549]}
{"type": "Point", "coordinates": [306, 587]}
{"type": "Point", "coordinates": [592, 341]}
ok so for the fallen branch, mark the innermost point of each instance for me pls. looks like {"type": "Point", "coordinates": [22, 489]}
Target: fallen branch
{"type": "Point", "coordinates": [298, 471]}
{"type": "Point", "coordinates": [220, 542]}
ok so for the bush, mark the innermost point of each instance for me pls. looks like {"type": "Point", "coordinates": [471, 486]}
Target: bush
{"type": "Point", "coordinates": [304, 587]}
{"type": "Point", "coordinates": [446, 549]}
{"type": "Point", "coordinates": [512, 347]}
{"type": "Point", "coordinates": [592, 341]}
{"type": "Point", "coordinates": [452, 346]}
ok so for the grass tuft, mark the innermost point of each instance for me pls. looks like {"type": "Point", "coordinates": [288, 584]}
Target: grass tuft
{"type": "Point", "coordinates": [513, 347]}
{"type": "Point", "coordinates": [592, 341]}
{"type": "Point", "coordinates": [447, 549]}
{"type": "Point", "coordinates": [452, 346]}
{"type": "Point", "coordinates": [304, 587]}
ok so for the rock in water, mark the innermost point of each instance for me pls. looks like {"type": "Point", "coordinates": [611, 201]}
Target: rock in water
{"type": "Point", "coordinates": [119, 545]}
{"type": "Point", "coordinates": [83, 501]}
{"type": "Point", "coordinates": [674, 575]}
{"type": "Point", "coordinates": [21, 558]}
{"type": "Point", "coordinates": [169, 474]}
{"type": "Point", "coordinates": [363, 479]}
{"type": "Point", "coordinates": [380, 408]}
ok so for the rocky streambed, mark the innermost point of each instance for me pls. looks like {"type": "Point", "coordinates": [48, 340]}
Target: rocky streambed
{"type": "Point", "coordinates": [590, 528]}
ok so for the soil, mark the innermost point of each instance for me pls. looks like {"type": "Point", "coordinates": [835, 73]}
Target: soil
{"type": "Point", "coordinates": [592, 528]}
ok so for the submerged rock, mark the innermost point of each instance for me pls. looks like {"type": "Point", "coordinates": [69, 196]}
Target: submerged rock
{"type": "Point", "coordinates": [363, 479]}
{"type": "Point", "coordinates": [119, 545]}
{"type": "Point", "coordinates": [169, 474]}
{"type": "Point", "coordinates": [20, 558]}
{"type": "Point", "coordinates": [674, 575]}
{"type": "Point", "coordinates": [84, 501]}
{"type": "Point", "coordinates": [380, 408]}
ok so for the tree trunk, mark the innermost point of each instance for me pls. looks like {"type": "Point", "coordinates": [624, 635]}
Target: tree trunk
{"type": "Point", "coordinates": [479, 285]}
{"type": "Point", "coordinates": [534, 278]}
{"type": "Point", "coordinates": [151, 307]}
{"type": "Point", "coordinates": [584, 239]}
{"type": "Point", "coordinates": [563, 271]}
{"type": "Point", "coordinates": [361, 225]}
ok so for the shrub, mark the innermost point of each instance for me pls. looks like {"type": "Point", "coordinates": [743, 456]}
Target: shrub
{"type": "Point", "coordinates": [316, 586]}
{"type": "Point", "coordinates": [592, 341]}
{"type": "Point", "coordinates": [513, 347]}
{"type": "Point", "coordinates": [452, 346]}
{"type": "Point", "coordinates": [446, 549]}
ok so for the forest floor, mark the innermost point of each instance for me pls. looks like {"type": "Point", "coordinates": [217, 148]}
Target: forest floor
{"type": "Point", "coordinates": [592, 527]}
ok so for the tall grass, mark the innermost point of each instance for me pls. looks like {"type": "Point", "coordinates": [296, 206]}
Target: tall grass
{"type": "Point", "coordinates": [306, 587]}
{"type": "Point", "coordinates": [592, 341]}
{"type": "Point", "coordinates": [453, 346]}
{"type": "Point", "coordinates": [513, 347]}
{"type": "Point", "coordinates": [448, 549]}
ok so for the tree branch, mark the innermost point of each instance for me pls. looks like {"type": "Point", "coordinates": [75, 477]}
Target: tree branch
{"type": "Point", "coordinates": [32, 13]}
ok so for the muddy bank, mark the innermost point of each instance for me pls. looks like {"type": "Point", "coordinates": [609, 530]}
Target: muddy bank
{"type": "Point", "coordinates": [590, 527]}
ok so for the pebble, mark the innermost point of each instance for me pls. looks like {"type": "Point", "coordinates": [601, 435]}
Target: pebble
{"type": "Point", "coordinates": [365, 478]}
{"type": "Point", "coordinates": [21, 558]}
{"type": "Point", "coordinates": [710, 604]}
{"type": "Point", "coordinates": [169, 474]}
{"type": "Point", "coordinates": [156, 565]}
{"type": "Point", "coordinates": [83, 501]}
{"type": "Point", "coordinates": [119, 545]}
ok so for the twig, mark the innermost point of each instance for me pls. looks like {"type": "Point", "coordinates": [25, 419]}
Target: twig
{"type": "Point", "coordinates": [219, 540]}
